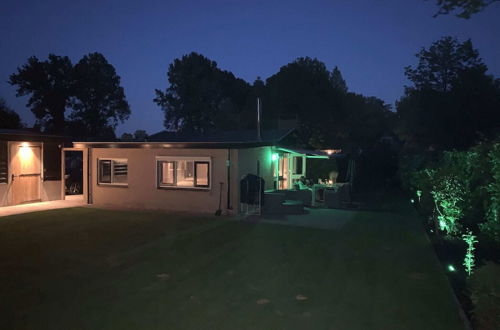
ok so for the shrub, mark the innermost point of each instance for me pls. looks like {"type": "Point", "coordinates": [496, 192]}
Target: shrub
{"type": "Point", "coordinates": [484, 287]}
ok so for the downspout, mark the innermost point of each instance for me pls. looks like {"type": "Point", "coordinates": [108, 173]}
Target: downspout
{"type": "Point", "coordinates": [228, 165]}
{"type": "Point", "coordinates": [89, 180]}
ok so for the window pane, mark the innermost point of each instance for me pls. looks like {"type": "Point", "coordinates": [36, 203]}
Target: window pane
{"type": "Point", "coordinates": [202, 174]}
{"type": "Point", "coordinates": [120, 170]}
{"type": "Point", "coordinates": [167, 173]}
{"type": "Point", "coordinates": [185, 175]}
{"type": "Point", "coordinates": [105, 171]}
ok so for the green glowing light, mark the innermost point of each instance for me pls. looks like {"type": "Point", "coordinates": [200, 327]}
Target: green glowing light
{"type": "Point", "coordinates": [274, 157]}
{"type": "Point", "coordinates": [469, 262]}
{"type": "Point", "coordinates": [419, 194]}
{"type": "Point", "coordinates": [451, 268]}
{"type": "Point", "coordinates": [412, 200]}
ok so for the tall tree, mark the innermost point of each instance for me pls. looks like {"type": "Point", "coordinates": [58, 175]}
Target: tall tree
{"type": "Point", "coordinates": [453, 102]}
{"type": "Point", "coordinates": [466, 8]}
{"type": "Point", "coordinates": [201, 96]}
{"type": "Point", "coordinates": [8, 117]}
{"type": "Point", "coordinates": [48, 83]}
{"type": "Point", "coordinates": [98, 99]}
{"type": "Point", "coordinates": [337, 80]}
{"type": "Point", "coordinates": [439, 65]}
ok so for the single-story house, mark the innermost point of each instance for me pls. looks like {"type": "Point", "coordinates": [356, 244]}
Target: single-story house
{"type": "Point", "coordinates": [30, 167]}
{"type": "Point", "coordinates": [188, 172]}
{"type": "Point", "coordinates": [178, 172]}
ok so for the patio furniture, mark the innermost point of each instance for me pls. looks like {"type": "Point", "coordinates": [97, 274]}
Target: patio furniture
{"type": "Point", "coordinates": [275, 203]}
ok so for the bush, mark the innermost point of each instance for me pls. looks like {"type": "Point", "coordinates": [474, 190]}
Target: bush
{"type": "Point", "coordinates": [484, 288]}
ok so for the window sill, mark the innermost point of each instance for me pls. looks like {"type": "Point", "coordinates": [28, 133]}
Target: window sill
{"type": "Point", "coordinates": [117, 185]}
{"type": "Point", "coordinates": [184, 188]}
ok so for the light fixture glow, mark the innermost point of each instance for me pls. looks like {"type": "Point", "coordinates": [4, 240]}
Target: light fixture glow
{"type": "Point", "coordinates": [274, 157]}
{"type": "Point", "coordinates": [25, 153]}
{"type": "Point", "coordinates": [451, 268]}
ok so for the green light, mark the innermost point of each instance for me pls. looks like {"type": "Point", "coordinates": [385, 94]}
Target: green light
{"type": "Point", "coordinates": [412, 200]}
{"type": "Point", "coordinates": [274, 157]}
{"type": "Point", "coordinates": [451, 268]}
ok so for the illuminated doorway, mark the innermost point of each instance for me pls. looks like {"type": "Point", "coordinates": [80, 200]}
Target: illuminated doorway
{"type": "Point", "coordinates": [26, 169]}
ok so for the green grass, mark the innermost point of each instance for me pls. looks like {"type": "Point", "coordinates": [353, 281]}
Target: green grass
{"type": "Point", "coordinates": [98, 269]}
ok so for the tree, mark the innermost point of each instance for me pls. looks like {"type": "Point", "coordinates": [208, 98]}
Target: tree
{"type": "Point", "coordinates": [302, 91]}
{"type": "Point", "coordinates": [98, 100]}
{"type": "Point", "coordinates": [8, 117]}
{"type": "Point", "coordinates": [467, 7]}
{"type": "Point", "coordinates": [453, 103]}
{"type": "Point", "coordinates": [337, 80]}
{"type": "Point", "coordinates": [49, 85]}
{"type": "Point", "coordinates": [201, 97]}
{"type": "Point", "coordinates": [439, 66]}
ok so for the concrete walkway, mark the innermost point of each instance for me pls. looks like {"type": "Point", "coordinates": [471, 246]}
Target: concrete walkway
{"type": "Point", "coordinates": [71, 201]}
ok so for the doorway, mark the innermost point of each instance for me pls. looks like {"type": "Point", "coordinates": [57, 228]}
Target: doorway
{"type": "Point", "coordinates": [25, 172]}
{"type": "Point", "coordinates": [73, 174]}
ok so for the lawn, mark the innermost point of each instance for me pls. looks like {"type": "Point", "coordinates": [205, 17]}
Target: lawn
{"type": "Point", "coordinates": [86, 268]}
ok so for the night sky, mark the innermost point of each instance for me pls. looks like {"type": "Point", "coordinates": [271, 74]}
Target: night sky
{"type": "Point", "coordinates": [370, 41]}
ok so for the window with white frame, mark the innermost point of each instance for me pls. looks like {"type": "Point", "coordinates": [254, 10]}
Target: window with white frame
{"type": "Point", "coordinates": [183, 172]}
{"type": "Point", "coordinates": [112, 172]}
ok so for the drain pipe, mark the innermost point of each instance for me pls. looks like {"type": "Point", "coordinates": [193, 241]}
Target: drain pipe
{"type": "Point", "coordinates": [228, 165]}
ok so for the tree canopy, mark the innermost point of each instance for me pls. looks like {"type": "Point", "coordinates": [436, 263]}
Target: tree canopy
{"type": "Point", "coordinates": [98, 100]}
{"type": "Point", "coordinates": [48, 83]}
{"type": "Point", "coordinates": [465, 8]}
{"type": "Point", "coordinates": [8, 117]}
{"type": "Point", "coordinates": [89, 90]}
{"type": "Point", "coordinates": [200, 96]}
{"type": "Point", "coordinates": [453, 103]}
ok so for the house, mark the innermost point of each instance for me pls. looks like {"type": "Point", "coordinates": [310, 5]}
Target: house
{"type": "Point", "coordinates": [170, 171]}
{"type": "Point", "coordinates": [188, 172]}
{"type": "Point", "coordinates": [30, 167]}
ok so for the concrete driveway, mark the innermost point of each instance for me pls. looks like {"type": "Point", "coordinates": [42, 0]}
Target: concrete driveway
{"type": "Point", "coordinates": [71, 201]}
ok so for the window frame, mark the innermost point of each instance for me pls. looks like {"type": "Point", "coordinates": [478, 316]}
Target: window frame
{"type": "Point", "coordinates": [112, 166]}
{"type": "Point", "coordinates": [175, 159]}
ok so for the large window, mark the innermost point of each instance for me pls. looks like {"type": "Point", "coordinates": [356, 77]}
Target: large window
{"type": "Point", "coordinates": [113, 172]}
{"type": "Point", "coordinates": [184, 172]}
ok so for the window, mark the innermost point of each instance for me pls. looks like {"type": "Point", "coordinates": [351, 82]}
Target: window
{"type": "Point", "coordinates": [184, 172]}
{"type": "Point", "coordinates": [113, 171]}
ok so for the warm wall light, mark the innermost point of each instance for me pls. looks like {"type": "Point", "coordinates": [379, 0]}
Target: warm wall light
{"type": "Point", "coordinates": [25, 153]}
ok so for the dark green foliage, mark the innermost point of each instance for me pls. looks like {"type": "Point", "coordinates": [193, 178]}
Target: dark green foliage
{"type": "Point", "coordinates": [476, 174]}
{"type": "Point", "coordinates": [466, 8]}
{"type": "Point", "coordinates": [49, 85]}
{"type": "Point", "coordinates": [90, 89]}
{"type": "Point", "coordinates": [98, 100]}
{"type": "Point", "coordinates": [201, 97]}
{"type": "Point", "coordinates": [8, 117]}
{"type": "Point", "coordinates": [327, 115]}
{"type": "Point", "coordinates": [453, 103]}
{"type": "Point", "coordinates": [484, 287]}
{"type": "Point", "coordinates": [139, 135]}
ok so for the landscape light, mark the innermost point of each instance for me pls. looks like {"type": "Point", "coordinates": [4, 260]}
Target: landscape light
{"type": "Point", "coordinates": [451, 268]}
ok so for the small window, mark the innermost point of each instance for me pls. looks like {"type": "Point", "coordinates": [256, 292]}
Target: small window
{"type": "Point", "coordinates": [183, 172]}
{"type": "Point", "coordinates": [113, 171]}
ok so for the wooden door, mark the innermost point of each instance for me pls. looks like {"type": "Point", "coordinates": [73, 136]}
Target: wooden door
{"type": "Point", "coordinates": [25, 173]}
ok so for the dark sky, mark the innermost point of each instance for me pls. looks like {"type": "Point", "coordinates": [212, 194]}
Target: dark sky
{"type": "Point", "coordinates": [371, 41]}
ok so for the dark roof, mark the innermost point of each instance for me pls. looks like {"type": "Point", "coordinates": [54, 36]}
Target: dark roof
{"type": "Point", "coordinates": [241, 136]}
{"type": "Point", "coordinates": [224, 139]}
{"type": "Point", "coordinates": [27, 134]}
